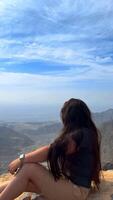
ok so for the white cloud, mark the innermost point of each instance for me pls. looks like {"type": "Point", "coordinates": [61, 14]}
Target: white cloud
{"type": "Point", "coordinates": [67, 32]}
{"type": "Point", "coordinates": [59, 78]}
{"type": "Point", "coordinates": [74, 33]}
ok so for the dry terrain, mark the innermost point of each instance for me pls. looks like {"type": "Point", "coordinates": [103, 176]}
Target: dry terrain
{"type": "Point", "coordinates": [106, 192]}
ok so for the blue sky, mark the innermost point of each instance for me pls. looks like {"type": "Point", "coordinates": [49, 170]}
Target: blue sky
{"type": "Point", "coordinates": [54, 50]}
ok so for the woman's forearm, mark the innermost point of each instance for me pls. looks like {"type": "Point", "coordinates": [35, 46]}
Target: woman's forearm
{"type": "Point", "coordinates": [39, 155]}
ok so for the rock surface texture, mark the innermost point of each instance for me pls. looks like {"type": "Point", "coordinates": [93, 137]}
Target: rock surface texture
{"type": "Point", "coordinates": [106, 190]}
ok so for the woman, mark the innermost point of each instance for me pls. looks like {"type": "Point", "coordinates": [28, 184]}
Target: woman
{"type": "Point", "coordinates": [73, 160]}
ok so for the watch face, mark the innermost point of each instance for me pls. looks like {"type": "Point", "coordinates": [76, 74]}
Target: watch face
{"type": "Point", "coordinates": [21, 156]}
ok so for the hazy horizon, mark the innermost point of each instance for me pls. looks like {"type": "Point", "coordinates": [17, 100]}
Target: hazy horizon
{"type": "Point", "coordinates": [34, 113]}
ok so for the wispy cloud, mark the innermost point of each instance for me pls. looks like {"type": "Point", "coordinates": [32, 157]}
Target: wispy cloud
{"type": "Point", "coordinates": [63, 30]}
{"type": "Point", "coordinates": [75, 35]}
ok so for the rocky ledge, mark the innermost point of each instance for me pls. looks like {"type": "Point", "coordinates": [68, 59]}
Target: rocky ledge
{"type": "Point", "coordinates": [105, 193]}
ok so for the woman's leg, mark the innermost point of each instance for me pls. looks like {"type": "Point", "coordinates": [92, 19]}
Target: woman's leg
{"type": "Point", "coordinates": [30, 188]}
{"type": "Point", "coordinates": [44, 183]}
{"type": "Point", "coordinates": [4, 185]}
{"type": "Point", "coordinates": [21, 182]}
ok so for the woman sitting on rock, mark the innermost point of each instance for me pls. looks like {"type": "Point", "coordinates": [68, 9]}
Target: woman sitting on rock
{"type": "Point", "coordinates": [73, 160]}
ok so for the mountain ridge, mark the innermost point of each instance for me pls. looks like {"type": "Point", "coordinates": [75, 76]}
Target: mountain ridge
{"type": "Point", "coordinates": [23, 137]}
{"type": "Point", "coordinates": [104, 116]}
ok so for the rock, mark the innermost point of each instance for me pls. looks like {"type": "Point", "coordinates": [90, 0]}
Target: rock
{"type": "Point", "coordinates": [106, 189]}
{"type": "Point", "coordinates": [111, 196]}
{"type": "Point", "coordinates": [33, 196]}
{"type": "Point", "coordinates": [27, 198]}
{"type": "Point", "coordinates": [108, 166]}
{"type": "Point", "coordinates": [105, 193]}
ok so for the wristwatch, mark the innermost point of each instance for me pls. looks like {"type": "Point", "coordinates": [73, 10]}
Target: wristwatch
{"type": "Point", "coordinates": [21, 158]}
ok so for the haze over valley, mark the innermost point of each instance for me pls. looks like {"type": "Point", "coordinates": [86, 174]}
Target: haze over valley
{"type": "Point", "coordinates": [18, 137]}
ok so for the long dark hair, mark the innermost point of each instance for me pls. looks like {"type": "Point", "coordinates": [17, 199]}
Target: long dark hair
{"type": "Point", "coordinates": [75, 115]}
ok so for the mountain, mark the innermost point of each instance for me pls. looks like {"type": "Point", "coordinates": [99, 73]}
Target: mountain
{"type": "Point", "coordinates": [106, 130]}
{"type": "Point", "coordinates": [104, 116]}
{"type": "Point", "coordinates": [9, 139]}
{"type": "Point", "coordinates": [23, 137]}
{"type": "Point", "coordinates": [11, 143]}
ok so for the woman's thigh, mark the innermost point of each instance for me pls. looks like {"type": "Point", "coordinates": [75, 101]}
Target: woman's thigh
{"type": "Point", "coordinates": [55, 190]}
{"type": "Point", "coordinates": [4, 185]}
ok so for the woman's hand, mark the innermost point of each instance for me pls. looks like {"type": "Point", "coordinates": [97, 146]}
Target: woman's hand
{"type": "Point", "coordinates": [39, 155]}
{"type": "Point", "coordinates": [14, 165]}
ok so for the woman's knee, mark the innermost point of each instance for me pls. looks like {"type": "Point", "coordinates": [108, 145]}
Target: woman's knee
{"type": "Point", "coordinates": [31, 168]}
{"type": "Point", "coordinates": [28, 168]}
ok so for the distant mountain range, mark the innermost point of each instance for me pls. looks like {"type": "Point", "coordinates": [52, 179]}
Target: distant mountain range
{"type": "Point", "coordinates": [11, 143]}
{"type": "Point", "coordinates": [104, 116]}
{"type": "Point", "coordinates": [22, 137]}
{"type": "Point", "coordinates": [106, 129]}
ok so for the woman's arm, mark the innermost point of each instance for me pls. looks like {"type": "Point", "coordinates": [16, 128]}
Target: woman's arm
{"type": "Point", "coordinates": [39, 155]}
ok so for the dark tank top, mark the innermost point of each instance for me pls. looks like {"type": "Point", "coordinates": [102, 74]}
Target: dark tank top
{"type": "Point", "coordinates": [80, 164]}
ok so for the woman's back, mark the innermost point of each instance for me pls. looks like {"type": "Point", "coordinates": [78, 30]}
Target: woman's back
{"type": "Point", "coordinates": [79, 165]}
